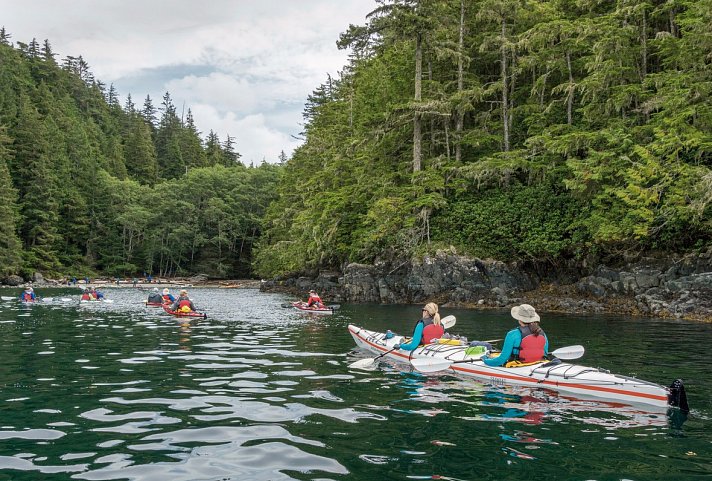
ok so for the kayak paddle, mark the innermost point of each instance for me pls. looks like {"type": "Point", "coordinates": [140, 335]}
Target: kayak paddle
{"type": "Point", "coordinates": [432, 364]}
{"type": "Point", "coordinates": [333, 307]}
{"type": "Point", "coordinates": [368, 362]}
{"type": "Point", "coordinates": [448, 321]}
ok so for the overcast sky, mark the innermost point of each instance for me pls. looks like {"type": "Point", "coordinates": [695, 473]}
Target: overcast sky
{"type": "Point", "coordinates": [244, 67]}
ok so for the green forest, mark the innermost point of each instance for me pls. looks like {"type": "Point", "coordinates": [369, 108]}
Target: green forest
{"type": "Point", "coordinates": [91, 186]}
{"type": "Point", "coordinates": [546, 130]}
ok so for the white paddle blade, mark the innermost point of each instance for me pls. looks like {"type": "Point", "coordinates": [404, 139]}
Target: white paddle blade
{"type": "Point", "coordinates": [431, 364]}
{"type": "Point", "coordinates": [367, 364]}
{"type": "Point", "coordinates": [569, 352]}
{"type": "Point", "coordinates": [108, 301]}
{"type": "Point", "coordinates": [8, 298]}
{"type": "Point", "coordinates": [448, 321]}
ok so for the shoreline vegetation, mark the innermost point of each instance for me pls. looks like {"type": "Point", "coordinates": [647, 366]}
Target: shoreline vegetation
{"type": "Point", "coordinates": [171, 283]}
{"type": "Point", "coordinates": [567, 141]}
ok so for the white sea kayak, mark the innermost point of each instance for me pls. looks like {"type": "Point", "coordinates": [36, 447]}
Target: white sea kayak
{"type": "Point", "coordinates": [562, 376]}
{"type": "Point", "coordinates": [302, 306]}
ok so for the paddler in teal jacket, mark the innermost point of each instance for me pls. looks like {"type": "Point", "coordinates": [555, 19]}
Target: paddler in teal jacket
{"type": "Point", "coordinates": [527, 343]}
{"type": "Point", "coordinates": [427, 328]}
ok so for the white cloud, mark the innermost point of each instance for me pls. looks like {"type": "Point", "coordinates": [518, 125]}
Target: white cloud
{"type": "Point", "coordinates": [242, 65]}
{"type": "Point", "coordinates": [255, 138]}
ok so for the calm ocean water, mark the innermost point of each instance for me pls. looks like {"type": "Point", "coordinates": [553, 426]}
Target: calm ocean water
{"type": "Point", "coordinates": [259, 392]}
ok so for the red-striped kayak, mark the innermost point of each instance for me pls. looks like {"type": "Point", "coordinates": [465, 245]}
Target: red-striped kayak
{"type": "Point", "coordinates": [563, 376]}
{"type": "Point", "coordinates": [195, 314]}
{"type": "Point", "coordinates": [302, 306]}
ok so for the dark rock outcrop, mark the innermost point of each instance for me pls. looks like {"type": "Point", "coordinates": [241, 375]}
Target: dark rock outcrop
{"type": "Point", "coordinates": [680, 287]}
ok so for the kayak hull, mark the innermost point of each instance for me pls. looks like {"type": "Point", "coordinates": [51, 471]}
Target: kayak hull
{"type": "Point", "coordinates": [300, 306]}
{"type": "Point", "coordinates": [192, 314]}
{"type": "Point", "coordinates": [154, 304]}
{"type": "Point", "coordinates": [564, 377]}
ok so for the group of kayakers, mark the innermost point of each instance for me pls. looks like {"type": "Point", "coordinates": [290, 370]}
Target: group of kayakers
{"type": "Point", "coordinates": [182, 303]}
{"type": "Point", "coordinates": [525, 344]}
{"type": "Point", "coordinates": [91, 294]}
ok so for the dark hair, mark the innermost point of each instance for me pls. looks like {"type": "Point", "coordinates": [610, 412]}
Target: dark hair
{"type": "Point", "coordinates": [534, 328]}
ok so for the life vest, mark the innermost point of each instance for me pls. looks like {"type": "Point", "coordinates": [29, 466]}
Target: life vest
{"type": "Point", "coordinates": [531, 348]}
{"type": "Point", "coordinates": [27, 297]}
{"type": "Point", "coordinates": [184, 305]}
{"type": "Point", "coordinates": [314, 300]}
{"type": "Point", "coordinates": [431, 331]}
{"type": "Point", "coordinates": [85, 297]}
{"type": "Point", "coordinates": [167, 298]}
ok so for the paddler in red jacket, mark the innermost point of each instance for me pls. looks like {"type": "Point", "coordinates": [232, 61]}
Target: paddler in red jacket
{"type": "Point", "coordinates": [183, 303]}
{"type": "Point", "coordinates": [426, 329]}
{"type": "Point", "coordinates": [314, 300]}
{"type": "Point", "coordinates": [527, 343]}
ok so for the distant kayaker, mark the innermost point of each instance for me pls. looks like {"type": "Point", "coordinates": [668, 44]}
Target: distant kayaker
{"type": "Point", "coordinates": [183, 303]}
{"type": "Point", "coordinates": [28, 295]}
{"type": "Point", "coordinates": [167, 296]}
{"type": "Point", "coordinates": [314, 300]}
{"type": "Point", "coordinates": [427, 328]}
{"type": "Point", "coordinates": [155, 297]}
{"type": "Point", "coordinates": [526, 343]}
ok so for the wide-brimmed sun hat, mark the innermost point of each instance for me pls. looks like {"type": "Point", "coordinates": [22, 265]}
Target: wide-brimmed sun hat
{"type": "Point", "coordinates": [166, 291]}
{"type": "Point", "coordinates": [183, 292]}
{"type": "Point", "coordinates": [525, 313]}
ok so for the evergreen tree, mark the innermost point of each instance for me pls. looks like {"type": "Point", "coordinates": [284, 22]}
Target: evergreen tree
{"type": "Point", "coordinates": [10, 247]}
{"type": "Point", "coordinates": [149, 112]}
{"type": "Point", "coordinates": [37, 187]}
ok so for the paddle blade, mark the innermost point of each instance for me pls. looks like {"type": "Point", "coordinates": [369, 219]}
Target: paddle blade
{"type": "Point", "coordinates": [431, 364]}
{"type": "Point", "coordinates": [367, 363]}
{"type": "Point", "coordinates": [569, 352]}
{"type": "Point", "coordinates": [448, 321]}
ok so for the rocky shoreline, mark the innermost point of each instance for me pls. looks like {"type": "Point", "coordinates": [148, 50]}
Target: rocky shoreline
{"type": "Point", "coordinates": [657, 287]}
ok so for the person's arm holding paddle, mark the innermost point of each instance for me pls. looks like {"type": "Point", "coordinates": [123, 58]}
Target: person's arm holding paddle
{"type": "Point", "coordinates": [514, 338]}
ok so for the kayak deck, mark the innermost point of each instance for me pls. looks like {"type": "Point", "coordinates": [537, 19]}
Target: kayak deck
{"type": "Point", "coordinates": [564, 377]}
{"type": "Point", "coordinates": [300, 306]}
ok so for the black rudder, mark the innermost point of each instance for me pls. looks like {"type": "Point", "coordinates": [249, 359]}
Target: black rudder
{"type": "Point", "coordinates": [677, 397]}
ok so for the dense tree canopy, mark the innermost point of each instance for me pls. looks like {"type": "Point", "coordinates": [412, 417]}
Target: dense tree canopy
{"type": "Point", "coordinates": [88, 185]}
{"type": "Point", "coordinates": [518, 129]}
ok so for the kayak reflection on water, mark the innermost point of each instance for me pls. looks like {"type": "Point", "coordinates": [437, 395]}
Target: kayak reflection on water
{"type": "Point", "coordinates": [536, 406]}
